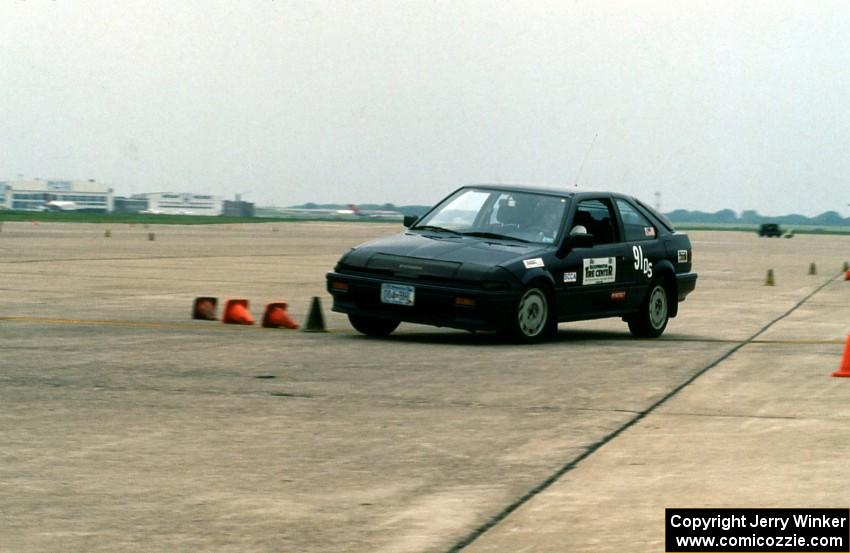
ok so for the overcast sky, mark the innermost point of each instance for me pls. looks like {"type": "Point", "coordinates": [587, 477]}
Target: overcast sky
{"type": "Point", "coordinates": [739, 104]}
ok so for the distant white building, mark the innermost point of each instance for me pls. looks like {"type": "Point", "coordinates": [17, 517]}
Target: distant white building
{"type": "Point", "coordinates": [41, 195]}
{"type": "Point", "coordinates": [172, 203]}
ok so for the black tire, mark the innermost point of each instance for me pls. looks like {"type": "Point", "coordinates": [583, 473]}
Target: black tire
{"type": "Point", "coordinates": [373, 326]}
{"type": "Point", "coordinates": [654, 314]}
{"type": "Point", "coordinates": [534, 318]}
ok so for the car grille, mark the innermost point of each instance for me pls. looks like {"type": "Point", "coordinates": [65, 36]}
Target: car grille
{"type": "Point", "coordinates": [411, 269]}
{"type": "Point", "coordinates": [413, 266]}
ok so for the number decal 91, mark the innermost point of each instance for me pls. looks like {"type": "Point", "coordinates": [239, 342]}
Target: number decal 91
{"type": "Point", "coordinates": [641, 263]}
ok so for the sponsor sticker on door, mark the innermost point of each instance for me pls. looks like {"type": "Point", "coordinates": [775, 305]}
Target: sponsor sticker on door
{"type": "Point", "coordinates": [599, 270]}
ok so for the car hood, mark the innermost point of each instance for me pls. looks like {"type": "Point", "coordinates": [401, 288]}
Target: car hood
{"type": "Point", "coordinates": [438, 255]}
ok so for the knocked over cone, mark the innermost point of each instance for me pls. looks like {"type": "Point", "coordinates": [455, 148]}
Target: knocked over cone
{"type": "Point", "coordinates": [204, 308]}
{"type": "Point", "coordinates": [277, 317]}
{"type": "Point", "coordinates": [236, 313]}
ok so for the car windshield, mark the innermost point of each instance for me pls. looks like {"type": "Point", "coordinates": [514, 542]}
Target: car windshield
{"type": "Point", "coordinates": [522, 216]}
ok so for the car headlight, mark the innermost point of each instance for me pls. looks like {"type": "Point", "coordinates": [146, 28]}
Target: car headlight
{"type": "Point", "coordinates": [497, 278]}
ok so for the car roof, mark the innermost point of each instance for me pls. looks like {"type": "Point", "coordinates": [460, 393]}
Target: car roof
{"type": "Point", "coordinates": [565, 191]}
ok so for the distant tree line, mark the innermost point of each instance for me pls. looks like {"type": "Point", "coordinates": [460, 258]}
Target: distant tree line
{"type": "Point", "coordinates": [750, 217]}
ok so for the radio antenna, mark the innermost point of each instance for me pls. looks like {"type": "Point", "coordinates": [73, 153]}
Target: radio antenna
{"type": "Point", "coordinates": [581, 167]}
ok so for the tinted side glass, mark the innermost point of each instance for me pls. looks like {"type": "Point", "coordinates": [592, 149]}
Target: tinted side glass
{"type": "Point", "coordinates": [597, 217]}
{"type": "Point", "coordinates": [659, 217]}
{"type": "Point", "coordinates": [635, 226]}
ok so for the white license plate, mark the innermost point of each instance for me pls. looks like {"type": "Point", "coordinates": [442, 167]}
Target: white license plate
{"type": "Point", "coordinates": [397, 294]}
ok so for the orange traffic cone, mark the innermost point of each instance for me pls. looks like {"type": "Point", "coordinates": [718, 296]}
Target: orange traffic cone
{"type": "Point", "coordinates": [847, 275]}
{"type": "Point", "coordinates": [277, 317]}
{"type": "Point", "coordinates": [204, 309]}
{"type": "Point", "coordinates": [844, 369]}
{"type": "Point", "coordinates": [236, 313]}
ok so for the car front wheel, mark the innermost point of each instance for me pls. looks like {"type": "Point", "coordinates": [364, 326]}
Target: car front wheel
{"type": "Point", "coordinates": [372, 326]}
{"type": "Point", "coordinates": [534, 319]}
{"type": "Point", "coordinates": [652, 318]}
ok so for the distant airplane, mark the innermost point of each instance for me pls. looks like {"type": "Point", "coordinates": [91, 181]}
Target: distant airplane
{"type": "Point", "coordinates": [60, 205]}
{"type": "Point", "coordinates": [307, 211]}
{"type": "Point", "coordinates": [352, 212]}
{"type": "Point", "coordinates": [376, 213]}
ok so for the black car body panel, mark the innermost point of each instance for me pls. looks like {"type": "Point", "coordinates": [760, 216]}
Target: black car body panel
{"type": "Point", "coordinates": [474, 282]}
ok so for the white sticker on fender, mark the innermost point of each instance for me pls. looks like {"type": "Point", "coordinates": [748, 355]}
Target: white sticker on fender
{"type": "Point", "coordinates": [683, 256]}
{"type": "Point", "coordinates": [532, 263]}
{"type": "Point", "coordinates": [570, 278]}
{"type": "Point", "coordinates": [599, 270]}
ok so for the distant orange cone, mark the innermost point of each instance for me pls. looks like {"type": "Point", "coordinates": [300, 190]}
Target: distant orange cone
{"type": "Point", "coordinates": [277, 317]}
{"type": "Point", "coordinates": [236, 313]}
{"type": "Point", "coordinates": [844, 369]}
{"type": "Point", "coordinates": [204, 309]}
{"type": "Point", "coordinates": [847, 275]}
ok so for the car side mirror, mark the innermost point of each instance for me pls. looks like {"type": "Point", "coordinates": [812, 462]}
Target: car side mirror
{"type": "Point", "coordinates": [410, 220]}
{"type": "Point", "coordinates": [581, 240]}
{"type": "Point", "coordinates": [578, 238]}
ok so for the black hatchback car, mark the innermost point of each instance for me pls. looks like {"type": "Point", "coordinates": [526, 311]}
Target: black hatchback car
{"type": "Point", "coordinates": [519, 260]}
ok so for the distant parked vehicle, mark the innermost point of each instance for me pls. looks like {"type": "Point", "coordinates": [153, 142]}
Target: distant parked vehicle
{"type": "Point", "coordinates": [770, 230]}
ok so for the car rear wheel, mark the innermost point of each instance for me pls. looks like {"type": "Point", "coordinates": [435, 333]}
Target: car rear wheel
{"type": "Point", "coordinates": [373, 326]}
{"type": "Point", "coordinates": [652, 318]}
{"type": "Point", "coordinates": [534, 319]}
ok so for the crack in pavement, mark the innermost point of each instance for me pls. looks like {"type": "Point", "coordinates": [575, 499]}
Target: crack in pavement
{"type": "Point", "coordinates": [570, 465]}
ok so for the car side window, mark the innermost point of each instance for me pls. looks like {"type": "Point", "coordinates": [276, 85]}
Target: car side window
{"type": "Point", "coordinates": [635, 225]}
{"type": "Point", "coordinates": [598, 218]}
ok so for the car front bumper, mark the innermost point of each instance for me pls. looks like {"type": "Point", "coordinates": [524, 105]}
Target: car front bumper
{"type": "Point", "coordinates": [433, 304]}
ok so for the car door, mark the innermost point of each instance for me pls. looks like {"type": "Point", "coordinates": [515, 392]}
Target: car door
{"type": "Point", "coordinates": [594, 280]}
{"type": "Point", "coordinates": [645, 249]}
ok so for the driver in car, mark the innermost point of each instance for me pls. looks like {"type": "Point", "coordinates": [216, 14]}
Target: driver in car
{"type": "Point", "coordinates": [539, 219]}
